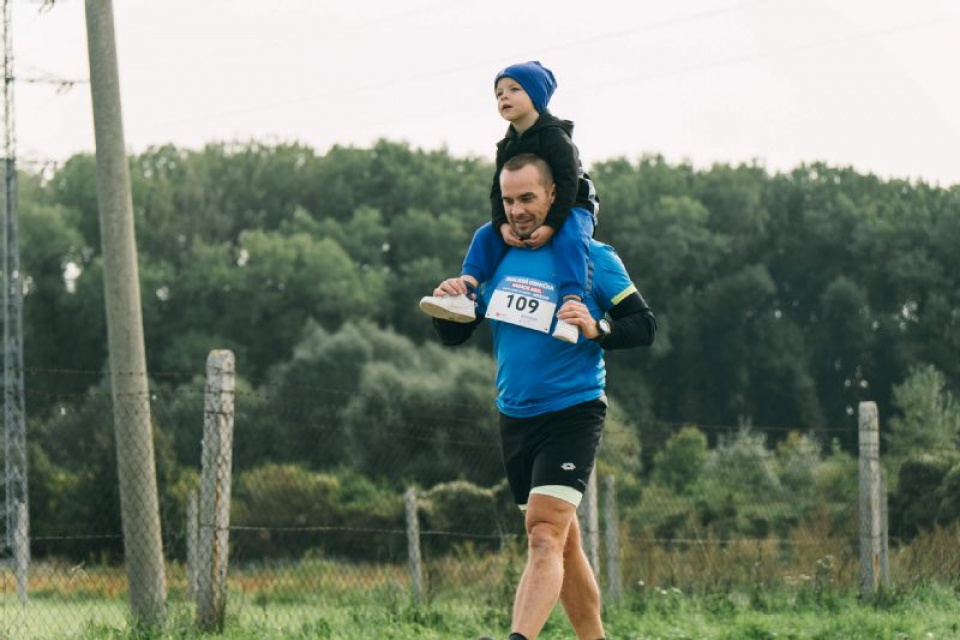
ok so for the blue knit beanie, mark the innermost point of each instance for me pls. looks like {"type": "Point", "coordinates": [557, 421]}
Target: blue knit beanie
{"type": "Point", "coordinates": [536, 80]}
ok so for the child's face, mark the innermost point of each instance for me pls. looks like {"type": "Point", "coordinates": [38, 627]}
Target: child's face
{"type": "Point", "coordinates": [513, 102]}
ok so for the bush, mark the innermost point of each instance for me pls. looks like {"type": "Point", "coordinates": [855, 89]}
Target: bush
{"type": "Point", "coordinates": [950, 497]}
{"type": "Point", "coordinates": [916, 503]}
{"type": "Point", "coordinates": [459, 508]}
{"type": "Point", "coordinates": [798, 457]}
{"type": "Point", "coordinates": [742, 467]}
{"type": "Point", "coordinates": [679, 464]}
{"type": "Point", "coordinates": [286, 511]}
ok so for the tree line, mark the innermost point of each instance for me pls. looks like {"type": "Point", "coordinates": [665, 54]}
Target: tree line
{"type": "Point", "coordinates": [784, 299]}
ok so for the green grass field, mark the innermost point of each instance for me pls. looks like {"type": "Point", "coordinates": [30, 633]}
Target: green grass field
{"type": "Point", "coordinates": [924, 612]}
{"type": "Point", "coordinates": [471, 595]}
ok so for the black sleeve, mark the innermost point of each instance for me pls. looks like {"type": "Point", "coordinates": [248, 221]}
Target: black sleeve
{"type": "Point", "coordinates": [497, 213]}
{"type": "Point", "coordinates": [632, 324]}
{"type": "Point", "coordinates": [454, 333]}
{"type": "Point", "coordinates": [564, 160]}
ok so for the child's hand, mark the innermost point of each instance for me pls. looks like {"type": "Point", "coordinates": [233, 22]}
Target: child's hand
{"type": "Point", "coordinates": [540, 237]}
{"type": "Point", "coordinates": [509, 237]}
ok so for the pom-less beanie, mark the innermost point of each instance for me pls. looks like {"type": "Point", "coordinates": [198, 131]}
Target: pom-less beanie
{"type": "Point", "coordinates": [536, 80]}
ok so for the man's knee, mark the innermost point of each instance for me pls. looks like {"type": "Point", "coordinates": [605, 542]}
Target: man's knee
{"type": "Point", "coordinates": [546, 538]}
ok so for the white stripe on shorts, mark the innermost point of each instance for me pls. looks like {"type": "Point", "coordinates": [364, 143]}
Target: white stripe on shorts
{"type": "Point", "coordinates": [559, 491]}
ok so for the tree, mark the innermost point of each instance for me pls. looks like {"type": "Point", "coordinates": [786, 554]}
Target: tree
{"type": "Point", "coordinates": [928, 418]}
{"type": "Point", "coordinates": [679, 464]}
{"type": "Point", "coordinates": [741, 465]}
{"type": "Point", "coordinates": [797, 460]}
{"type": "Point", "coordinates": [426, 420]}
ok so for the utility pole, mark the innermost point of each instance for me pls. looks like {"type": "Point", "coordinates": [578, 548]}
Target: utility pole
{"type": "Point", "coordinates": [128, 369]}
{"type": "Point", "coordinates": [15, 438]}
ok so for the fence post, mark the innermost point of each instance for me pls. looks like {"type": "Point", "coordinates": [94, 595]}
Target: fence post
{"type": "Point", "coordinates": [590, 524]}
{"type": "Point", "coordinates": [611, 525]}
{"type": "Point", "coordinates": [884, 532]}
{"type": "Point", "coordinates": [21, 552]}
{"type": "Point", "coordinates": [870, 509]}
{"type": "Point", "coordinates": [193, 515]}
{"type": "Point", "coordinates": [413, 544]}
{"type": "Point", "coordinates": [214, 535]}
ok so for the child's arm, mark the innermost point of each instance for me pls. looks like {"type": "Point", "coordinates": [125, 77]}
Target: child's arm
{"type": "Point", "coordinates": [539, 237]}
{"type": "Point", "coordinates": [498, 213]}
{"type": "Point", "coordinates": [564, 160]}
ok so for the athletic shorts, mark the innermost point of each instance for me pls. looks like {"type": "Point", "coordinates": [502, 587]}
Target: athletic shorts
{"type": "Point", "coordinates": [552, 453]}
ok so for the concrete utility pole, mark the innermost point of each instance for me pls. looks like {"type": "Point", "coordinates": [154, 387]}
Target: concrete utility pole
{"type": "Point", "coordinates": [128, 369]}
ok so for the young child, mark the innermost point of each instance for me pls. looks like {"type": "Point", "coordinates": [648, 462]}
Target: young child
{"type": "Point", "coordinates": [523, 92]}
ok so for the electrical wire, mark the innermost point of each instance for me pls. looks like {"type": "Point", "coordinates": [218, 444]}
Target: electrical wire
{"type": "Point", "coordinates": [485, 63]}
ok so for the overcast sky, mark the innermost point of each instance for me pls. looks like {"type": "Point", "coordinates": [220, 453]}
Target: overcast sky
{"type": "Point", "coordinates": [868, 83]}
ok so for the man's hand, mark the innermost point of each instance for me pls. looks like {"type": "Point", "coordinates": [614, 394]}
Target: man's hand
{"type": "Point", "coordinates": [509, 237]}
{"type": "Point", "coordinates": [576, 313]}
{"type": "Point", "coordinates": [540, 237]}
{"type": "Point", "coordinates": [451, 287]}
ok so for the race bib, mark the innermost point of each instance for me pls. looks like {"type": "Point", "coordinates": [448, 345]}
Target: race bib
{"type": "Point", "coordinates": [524, 302]}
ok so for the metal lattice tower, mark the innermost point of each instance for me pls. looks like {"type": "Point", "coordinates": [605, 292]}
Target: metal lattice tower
{"type": "Point", "coordinates": [15, 437]}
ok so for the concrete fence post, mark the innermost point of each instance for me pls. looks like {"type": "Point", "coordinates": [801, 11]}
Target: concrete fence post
{"type": "Point", "coordinates": [21, 552]}
{"type": "Point", "coordinates": [193, 520]}
{"type": "Point", "coordinates": [884, 532]}
{"type": "Point", "coordinates": [215, 480]}
{"type": "Point", "coordinates": [413, 544]}
{"type": "Point", "coordinates": [611, 529]}
{"type": "Point", "coordinates": [870, 510]}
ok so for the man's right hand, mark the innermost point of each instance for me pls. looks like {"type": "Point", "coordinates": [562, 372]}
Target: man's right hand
{"type": "Point", "coordinates": [451, 287]}
{"type": "Point", "coordinates": [509, 237]}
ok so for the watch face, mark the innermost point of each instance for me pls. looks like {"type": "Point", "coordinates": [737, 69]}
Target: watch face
{"type": "Point", "coordinates": [604, 326]}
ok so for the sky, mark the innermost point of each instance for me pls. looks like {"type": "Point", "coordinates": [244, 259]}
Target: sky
{"type": "Point", "coordinates": [871, 84]}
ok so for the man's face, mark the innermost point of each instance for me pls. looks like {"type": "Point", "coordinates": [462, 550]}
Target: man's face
{"type": "Point", "coordinates": [525, 199]}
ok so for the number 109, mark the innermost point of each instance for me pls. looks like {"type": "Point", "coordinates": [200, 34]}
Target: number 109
{"type": "Point", "coordinates": [521, 303]}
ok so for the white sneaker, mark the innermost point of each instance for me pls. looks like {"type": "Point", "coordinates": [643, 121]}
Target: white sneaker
{"type": "Point", "coordinates": [566, 331]}
{"type": "Point", "coordinates": [455, 308]}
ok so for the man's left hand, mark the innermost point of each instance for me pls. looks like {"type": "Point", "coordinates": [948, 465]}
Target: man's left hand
{"type": "Point", "coordinates": [576, 313]}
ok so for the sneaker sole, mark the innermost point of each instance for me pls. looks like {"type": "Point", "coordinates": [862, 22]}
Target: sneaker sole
{"type": "Point", "coordinates": [435, 311]}
{"type": "Point", "coordinates": [565, 336]}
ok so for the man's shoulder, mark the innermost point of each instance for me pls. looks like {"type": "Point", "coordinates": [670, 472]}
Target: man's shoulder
{"type": "Point", "coordinates": [600, 249]}
{"type": "Point", "coordinates": [596, 251]}
{"type": "Point", "coordinates": [604, 258]}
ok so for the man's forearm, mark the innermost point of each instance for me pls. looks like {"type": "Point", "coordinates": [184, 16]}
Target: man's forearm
{"type": "Point", "coordinates": [632, 324]}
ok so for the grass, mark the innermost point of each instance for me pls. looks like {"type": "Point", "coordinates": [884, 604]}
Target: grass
{"type": "Point", "coordinates": [924, 612]}
{"type": "Point", "coordinates": [703, 591]}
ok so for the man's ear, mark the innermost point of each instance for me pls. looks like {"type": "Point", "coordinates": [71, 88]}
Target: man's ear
{"type": "Point", "coordinates": [553, 192]}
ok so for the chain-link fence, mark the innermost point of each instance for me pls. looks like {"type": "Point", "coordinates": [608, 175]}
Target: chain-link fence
{"type": "Point", "coordinates": [283, 505]}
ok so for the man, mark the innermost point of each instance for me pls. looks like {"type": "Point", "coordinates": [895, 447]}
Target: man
{"type": "Point", "coordinates": [550, 394]}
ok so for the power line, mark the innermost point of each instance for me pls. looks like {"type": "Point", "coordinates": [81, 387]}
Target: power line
{"type": "Point", "coordinates": [44, 5]}
{"type": "Point", "coordinates": [286, 42]}
{"type": "Point", "coordinates": [667, 73]}
{"type": "Point", "coordinates": [488, 62]}
{"type": "Point", "coordinates": [799, 48]}
{"type": "Point", "coordinates": [62, 84]}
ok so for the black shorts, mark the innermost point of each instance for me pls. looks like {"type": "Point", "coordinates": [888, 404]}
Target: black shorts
{"type": "Point", "coordinates": [555, 449]}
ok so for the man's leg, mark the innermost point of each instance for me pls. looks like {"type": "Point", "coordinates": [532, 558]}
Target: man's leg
{"type": "Point", "coordinates": [580, 594]}
{"type": "Point", "coordinates": [548, 523]}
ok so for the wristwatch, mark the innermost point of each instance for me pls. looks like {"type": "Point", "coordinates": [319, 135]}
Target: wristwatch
{"type": "Point", "coordinates": [604, 329]}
